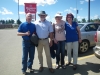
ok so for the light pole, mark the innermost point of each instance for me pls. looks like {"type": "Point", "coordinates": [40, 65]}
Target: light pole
{"type": "Point", "coordinates": [89, 11]}
{"type": "Point", "coordinates": [18, 11]}
{"type": "Point", "coordinates": [76, 10]}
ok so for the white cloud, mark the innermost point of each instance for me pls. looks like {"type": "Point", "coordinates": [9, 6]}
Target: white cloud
{"type": "Point", "coordinates": [73, 8]}
{"type": "Point", "coordinates": [96, 16]}
{"type": "Point", "coordinates": [70, 10]}
{"type": "Point", "coordinates": [83, 1]}
{"type": "Point", "coordinates": [48, 17]}
{"type": "Point", "coordinates": [79, 18]}
{"type": "Point", "coordinates": [5, 11]}
{"type": "Point", "coordinates": [39, 2]}
{"type": "Point", "coordinates": [21, 12]}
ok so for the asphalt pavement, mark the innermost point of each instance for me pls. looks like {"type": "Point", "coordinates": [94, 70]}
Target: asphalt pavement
{"type": "Point", "coordinates": [11, 53]}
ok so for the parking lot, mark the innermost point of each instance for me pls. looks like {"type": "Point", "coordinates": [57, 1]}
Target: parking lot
{"type": "Point", "coordinates": [10, 58]}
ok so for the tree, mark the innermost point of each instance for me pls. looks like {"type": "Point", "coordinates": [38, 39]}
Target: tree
{"type": "Point", "coordinates": [91, 20]}
{"type": "Point", "coordinates": [12, 21]}
{"type": "Point", "coordinates": [79, 21]}
{"type": "Point", "coordinates": [3, 22]}
{"type": "Point", "coordinates": [75, 19]}
{"type": "Point", "coordinates": [83, 20]}
{"type": "Point", "coordinates": [7, 22]}
{"type": "Point", "coordinates": [18, 22]}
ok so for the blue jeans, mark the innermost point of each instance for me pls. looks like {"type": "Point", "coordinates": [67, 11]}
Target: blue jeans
{"type": "Point", "coordinates": [28, 48]}
{"type": "Point", "coordinates": [61, 49]}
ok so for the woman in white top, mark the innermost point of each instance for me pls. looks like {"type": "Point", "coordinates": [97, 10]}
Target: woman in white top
{"type": "Point", "coordinates": [59, 39]}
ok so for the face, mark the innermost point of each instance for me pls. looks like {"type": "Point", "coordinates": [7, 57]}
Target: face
{"type": "Point", "coordinates": [42, 17]}
{"type": "Point", "coordinates": [69, 18]}
{"type": "Point", "coordinates": [29, 17]}
{"type": "Point", "coordinates": [58, 18]}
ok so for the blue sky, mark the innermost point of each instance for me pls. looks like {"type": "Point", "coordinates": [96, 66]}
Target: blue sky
{"type": "Point", "coordinates": [9, 8]}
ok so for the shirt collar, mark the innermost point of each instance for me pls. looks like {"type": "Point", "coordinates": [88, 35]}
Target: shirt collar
{"type": "Point", "coordinates": [27, 22]}
{"type": "Point", "coordinates": [43, 21]}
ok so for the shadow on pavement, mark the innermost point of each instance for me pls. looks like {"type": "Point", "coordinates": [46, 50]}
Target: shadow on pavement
{"type": "Point", "coordinates": [82, 70]}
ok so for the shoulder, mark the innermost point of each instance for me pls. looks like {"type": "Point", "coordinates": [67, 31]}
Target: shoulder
{"type": "Point", "coordinates": [74, 22]}
{"type": "Point", "coordinates": [48, 23]}
{"type": "Point", "coordinates": [22, 24]}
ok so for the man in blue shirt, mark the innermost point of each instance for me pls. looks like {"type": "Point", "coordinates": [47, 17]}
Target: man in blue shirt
{"type": "Point", "coordinates": [26, 30]}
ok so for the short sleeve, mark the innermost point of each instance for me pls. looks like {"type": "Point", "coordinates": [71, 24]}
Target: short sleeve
{"type": "Point", "coordinates": [50, 27]}
{"type": "Point", "coordinates": [20, 28]}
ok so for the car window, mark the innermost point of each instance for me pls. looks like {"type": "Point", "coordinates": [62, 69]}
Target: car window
{"type": "Point", "coordinates": [80, 25]}
{"type": "Point", "coordinates": [99, 28]}
{"type": "Point", "coordinates": [91, 27]}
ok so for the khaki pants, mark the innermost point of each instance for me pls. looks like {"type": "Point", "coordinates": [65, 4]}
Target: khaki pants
{"type": "Point", "coordinates": [44, 44]}
{"type": "Point", "coordinates": [74, 46]}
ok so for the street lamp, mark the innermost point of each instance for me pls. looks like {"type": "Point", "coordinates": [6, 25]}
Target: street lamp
{"type": "Point", "coordinates": [89, 11]}
{"type": "Point", "coordinates": [76, 11]}
{"type": "Point", "coordinates": [18, 11]}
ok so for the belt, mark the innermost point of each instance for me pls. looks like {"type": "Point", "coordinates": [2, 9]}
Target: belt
{"type": "Point", "coordinates": [43, 38]}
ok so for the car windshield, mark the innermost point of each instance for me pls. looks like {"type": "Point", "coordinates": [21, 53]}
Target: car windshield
{"type": "Point", "coordinates": [80, 25]}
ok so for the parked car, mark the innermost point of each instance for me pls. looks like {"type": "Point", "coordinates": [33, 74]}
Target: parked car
{"type": "Point", "coordinates": [88, 31]}
{"type": "Point", "coordinates": [96, 49]}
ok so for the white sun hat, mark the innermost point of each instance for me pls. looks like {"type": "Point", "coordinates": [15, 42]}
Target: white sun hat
{"type": "Point", "coordinates": [58, 15]}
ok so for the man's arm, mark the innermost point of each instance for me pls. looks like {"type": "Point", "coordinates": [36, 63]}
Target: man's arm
{"type": "Point", "coordinates": [21, 34]}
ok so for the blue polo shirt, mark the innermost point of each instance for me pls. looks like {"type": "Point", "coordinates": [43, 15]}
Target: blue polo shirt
{"type": "Point", "coordinates": [71, 32]}
{"type": "Point", "coordinates": [24, 27]}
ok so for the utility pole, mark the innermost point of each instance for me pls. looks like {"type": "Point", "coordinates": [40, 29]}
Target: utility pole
{"type": "Point", "coordinates": [76, 10]}
{"type": "Point", "coordinates": [89, 11]}
{"type": "Point", "coordinates": [18, 11]}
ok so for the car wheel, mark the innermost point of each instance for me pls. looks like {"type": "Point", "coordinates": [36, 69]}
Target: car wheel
{"type": "Point", "coordinates": [84, 46]}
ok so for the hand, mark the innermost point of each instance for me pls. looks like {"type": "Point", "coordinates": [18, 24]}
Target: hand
{"type": "Point", "coordinates": [51, 43]}
{"type": "Point", "coordinates": [28, 33]}
{"type": "Point", "coordinates": [80, 40]}
{"type": "Point", "coordinates": [55, 41]}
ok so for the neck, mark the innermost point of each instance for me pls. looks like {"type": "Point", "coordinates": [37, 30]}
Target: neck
{"type": "Point", "coordinates": [28, 21]}
{"type": "Point", "coordinates": [42, 20]}
{"type": "Point", "coordinates": [70, 22]}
